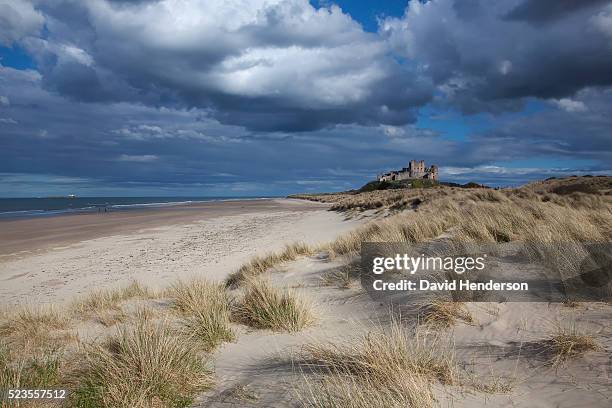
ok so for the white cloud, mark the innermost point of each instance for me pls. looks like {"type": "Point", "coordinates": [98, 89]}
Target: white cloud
{"type": "Point", "coordinates": [258, 48]}
{"type": "Point", "coordinates": [153, 132]}
{"type": "Point", "coordinates": [570, 105]}
{"type": "Point", "coordinates": [8, 121]}
{"type": "Point", "coordinates": [603, 21]}
{"type": "Point", "coordinates": [25, 178]}
{"type": "Point", "coordinates": [4, 101]}
{"type": "Point", "coordinates": [393, 131]}
{"type": "Point", "coordinates": [77, 54]}
{"type": "Point", "coordinates": [144, 158]}
{"type": "Point", "coordinates": [505, 67]}
{"type": "Point", "coordinates": [18, 19]}
{"type": "Point", "coordinates": [263, 64]}
{"type": "Point", "coordinates": [491, 170]}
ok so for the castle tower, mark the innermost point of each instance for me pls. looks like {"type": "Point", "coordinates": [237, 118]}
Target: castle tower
{"type": "Point", "coordinates": [412, 168]}
{"type": "Point", "coordinates": [433, 172]}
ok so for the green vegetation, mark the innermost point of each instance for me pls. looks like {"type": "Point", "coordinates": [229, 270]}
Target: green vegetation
{"type": "Point", "coordinates": [390, 367]}
{"type": "Point", "coordinates": [206, 309]}
{"type": "Point", "coordinates": [149, 365]}
{"type": "Point", "coordinates": [267, 307]}
{"type": "Point", "coordinates": [397, 184]}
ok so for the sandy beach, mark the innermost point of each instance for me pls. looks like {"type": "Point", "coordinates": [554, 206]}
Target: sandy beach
{"type": "Point", "coordinates": [54, 259]}
{"type": "Point", "coordinates": [266, 314]}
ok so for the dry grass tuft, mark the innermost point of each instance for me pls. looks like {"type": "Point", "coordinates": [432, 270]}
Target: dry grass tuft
{"type": "Point", "coordinates": [479, 216]}
{"type": "Point", "coordinates": [558, 233]}
{"type": "Point", "coordinates": [206, 308]}
{"type": "Point", "coordinates": [110, 317]}
{"type": "Point", "coordinates": [243, 392]}
{"type": "Point", "coordinates": [267, 307]}
{"type": "Point", "coordinates": [441, 313]}
{"type": "Point", "coordinates": [100, 300]}
{"type": "Point", "coordinates": [343, 277]}
{"type": "Point", "coordinates": [148, 365]}
{"type": "Point", "coordinates": [34, 371]}
{"type": "Point", "coordinates": [571, 304]}
{"type": "Point", "coordinates": [35, 329]}
{"type": "Point", "coordinates": [31, 319]}
{"type": "Point", "coordinates": [495, 385]}
{"type": "Point", "coordinates": [337, 390]}
{"type": "Point", "coordinates": [385, 353]}
{"type": "Point", "coordinates": [261, 264]}
{"type": "Point", "coordinates": [388, 367]}
{"type": "Point", "coordinates": [570, 341]}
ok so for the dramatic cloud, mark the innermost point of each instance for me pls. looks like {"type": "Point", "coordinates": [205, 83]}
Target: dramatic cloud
{"type": "Point", "coordinates": [270, 96]}
{"type": "Point", "coordinates": [18, 19]}
{"type": "Point", "coordinates": [265, 65]}
{"type": "Point", "coordinates": [570, 105]}
{"type": "Point", "coordinates": [538, 11]}
{"type": "Point", "coordinates": [487, 55]}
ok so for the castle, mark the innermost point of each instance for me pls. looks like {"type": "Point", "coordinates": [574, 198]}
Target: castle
{"type": "Point", "coordinates": [415, 170]}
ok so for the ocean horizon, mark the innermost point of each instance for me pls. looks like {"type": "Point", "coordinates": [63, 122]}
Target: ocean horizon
{"type": "Point", "coordinates": [11, 208]}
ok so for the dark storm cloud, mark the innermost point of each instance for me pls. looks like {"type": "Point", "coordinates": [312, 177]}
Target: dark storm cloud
{"type": "Point", "coordinates": [215, 97]}
{"type": "Point", "coordinates": [546, 10]}
{"type": "Point", "coordinates": [484, 61]}
{"type": "Point", "coordinates": [579, 128]}
{"type": "Point", "coordinates": [122, 147]}
{"type": "Point", "coordinates": [287, 66]}
{"type": "Point", "coordinates": [267, 66]}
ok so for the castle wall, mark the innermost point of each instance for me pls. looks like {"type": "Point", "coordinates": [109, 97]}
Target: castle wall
{"type": "Point", "coordinates": [415, 170]}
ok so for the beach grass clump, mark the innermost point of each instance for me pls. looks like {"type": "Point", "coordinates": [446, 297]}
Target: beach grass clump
{"type": "Point", "coordinates": [340, 278]}
{"type": "Point", "coordinates": [570, 341]}
{"type": "Point", "coordinates": [144, 366]}
{"type": "Point", "coordinates": [565, 237]}
{"type": "Point", "coordinates": [30, 319]}
{"type": "Point", "coordinates": [243, 392]}
{"type": "Point", "coordinates": [443, 313]}
{"type": "Point", "coordinates": [392, 199]}
{"type": "Point", "coordinates": [100, 300]}
{"type": "Point", "coordinates": [343, 277]}
{"type": "Point", "coordinates": [34, 371]}
{"type": "Point", "coordinates": [261, 264]}
{"type": "Point", "coordinates": [34, 329]}
{"type": "Point", "coordinates": [431, 221]}
{"type": "Point", "coordinates": [390, 367]}
{"type": "Point", "coordinates": [110, 317]}
{"type": "Point", "coordinates": [206, 310]}
{"type": "Point", "coordinates": [338, 390]}
{"type": "Point", "coordinates": [494, 385]}
{"type": "Point", "coordinates": [267, 307]}
{"type": "Point", "coordinates": [386, 353]}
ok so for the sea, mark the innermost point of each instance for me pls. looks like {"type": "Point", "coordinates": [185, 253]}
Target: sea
{"type": "Point", "coordinates": [11, 208]}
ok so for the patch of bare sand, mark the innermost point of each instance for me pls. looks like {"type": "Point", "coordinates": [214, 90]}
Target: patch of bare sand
{"type": "Point", "coordinates": [209, 247]}
{"type": "Point", "coordinates": [500, 352]}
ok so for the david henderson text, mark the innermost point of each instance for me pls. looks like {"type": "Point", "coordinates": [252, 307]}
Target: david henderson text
{"type": "Point", "coordinates": [424, 284]}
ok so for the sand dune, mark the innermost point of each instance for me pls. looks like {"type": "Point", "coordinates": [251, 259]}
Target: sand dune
{"type": "Point", "coordinates": [473, 354]}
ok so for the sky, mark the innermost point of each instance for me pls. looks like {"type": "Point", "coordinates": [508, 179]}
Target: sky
{"type": "Point", "coordinates": [271, 97]}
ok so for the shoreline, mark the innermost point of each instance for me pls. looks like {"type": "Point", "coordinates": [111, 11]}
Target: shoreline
{"type": "Point", "coordinates": [52, 260]}
{"type": "Point", "coordinates": [34, 234]}
{"type": "Point", "coordinates": [117, 206]}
